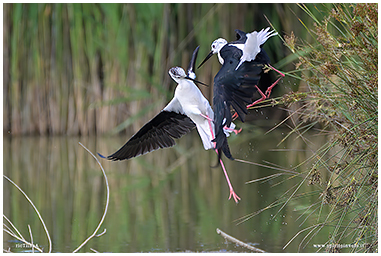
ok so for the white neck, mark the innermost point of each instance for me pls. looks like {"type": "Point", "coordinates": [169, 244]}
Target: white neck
{"type": "Point", "coordinates": [220, 59]}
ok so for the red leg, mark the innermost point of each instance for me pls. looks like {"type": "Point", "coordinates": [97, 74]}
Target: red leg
{"type": "Point", "coordinates": [257, 101]}
{"type": "Point", "coordinates": [232, 193]}
{"type": "Point", "coordinates": [280, 73]}
{"type": "Point", "coordinates": [207, 117]}
{"type": "Point", "coordinates": [234, 117]}
{"type": "Point", "coordinates": [227, 128]}
{"type": "Point", "coordinates": [264, 95]}
{"type": "Point", "coordinates": [268, 91]}
{"type": "Point", "coordinates": [233, 130]}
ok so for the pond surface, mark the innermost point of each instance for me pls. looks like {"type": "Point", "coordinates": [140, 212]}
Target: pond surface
{"type": "Point", "coordinates": [170, 200]}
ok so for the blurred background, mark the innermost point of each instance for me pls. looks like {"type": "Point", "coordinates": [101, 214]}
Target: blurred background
{"type": "Point", "coordinates": [95, 73]}
{"type": "Point", "coordinates": [83, 69]}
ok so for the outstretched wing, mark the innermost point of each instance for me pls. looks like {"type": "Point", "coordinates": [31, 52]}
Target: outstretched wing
{"type": "Point", "coordinates": [240, 37]}
{"type": "Point", "coordinates": [158, 133]}
{"type": "Point", "coordinates": [192, 64]}
{"type": "Point", "coordinates": [253, 44]}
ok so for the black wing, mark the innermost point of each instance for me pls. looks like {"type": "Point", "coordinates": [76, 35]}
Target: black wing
{"type": "Point", "coordinates": [192, 63]}
{"type": "Point", "coordinates": [234, 88]}
{"type": "Point", "coordinates": [237, 87]}
{"type": "Point", "coordinates": [240, 37]}
{"type": "Point", "coordinates": [160, 132]}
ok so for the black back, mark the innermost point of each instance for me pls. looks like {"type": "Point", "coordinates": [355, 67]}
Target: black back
{"type": "Point", "coordinates": [234, 88]}
{"type": "Point", "coordinates": [240, 37]}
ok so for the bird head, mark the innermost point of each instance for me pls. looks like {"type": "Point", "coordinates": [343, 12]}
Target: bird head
{"type": "Point", "coordinates": [178, 74]}
{"type": "Point", "coordinates": [216, 48]}
{"type": "Point", "coordinates": [217, 45]}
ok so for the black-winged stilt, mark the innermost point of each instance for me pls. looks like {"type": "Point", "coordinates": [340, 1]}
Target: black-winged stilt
{"type": "Point", "coordinates": [236, 82]}
{"type": "Point", "coordinates": [187, 110]}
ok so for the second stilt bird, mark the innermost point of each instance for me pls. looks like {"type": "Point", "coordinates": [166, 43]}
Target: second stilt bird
{"type": "Point", "coordinates": [236, 82]}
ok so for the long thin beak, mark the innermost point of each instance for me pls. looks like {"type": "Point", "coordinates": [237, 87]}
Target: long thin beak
{"type": "Point", "coordinates": [195, 81]}
{"type": "Point", "coordinates": [207, 58]}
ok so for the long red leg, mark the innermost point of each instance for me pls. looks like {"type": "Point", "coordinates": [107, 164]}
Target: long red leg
{"type": "Point", "coordinates": [227, 128]}
{"type": "Point", "coordinates": [257, 101]}
{"type": "Point", "coordinates": [234, 117]}
{"type": "Point", "coordinates": [280, 73]}
{"type": "Point", "coordinates": [268, 91]}
{"type": "Point", "coordinates": [207, 117]}
{"type": "Point", "coordinates": [232, 193]}
{"type": "Point", "coordinates": [264, 95]}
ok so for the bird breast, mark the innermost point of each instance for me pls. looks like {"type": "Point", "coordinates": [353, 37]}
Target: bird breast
{"type": "Point", "coordinates": [190, 98]}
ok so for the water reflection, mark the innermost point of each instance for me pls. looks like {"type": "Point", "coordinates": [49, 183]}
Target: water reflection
{"type": "Point", "coordinates": [168, 200]}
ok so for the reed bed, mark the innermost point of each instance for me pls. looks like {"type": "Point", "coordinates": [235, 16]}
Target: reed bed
{"type": "Point", "coordinates": [339, 70]}
{"type": "Point", "coordinates": [81, 69]}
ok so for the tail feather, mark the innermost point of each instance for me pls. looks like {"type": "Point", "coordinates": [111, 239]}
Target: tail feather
{"type": "Point", "coordinates": [225, 149]}
{"type": "Point", "coordinates": [205, 134]}
{"type": "Point", "coordinates": [222, 144]}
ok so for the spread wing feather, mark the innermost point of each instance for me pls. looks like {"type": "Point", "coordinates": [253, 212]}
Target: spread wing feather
{"type": "Point", "coordinates": [160, 132]}
{"type": "Point", "coordinates": [253, 44]}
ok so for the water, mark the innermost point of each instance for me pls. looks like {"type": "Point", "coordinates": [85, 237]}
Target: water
{"type": "Point", "coordinates": [169, 200]}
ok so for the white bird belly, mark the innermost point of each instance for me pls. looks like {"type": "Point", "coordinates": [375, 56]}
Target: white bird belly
{"type": "Point", "coordinates": [194, 104]}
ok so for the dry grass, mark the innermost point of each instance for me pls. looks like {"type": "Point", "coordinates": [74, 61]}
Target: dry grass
{"type": "Point", "coordinates": [339, 99]}
{"type": "Point", "coordinates": [14, 232]}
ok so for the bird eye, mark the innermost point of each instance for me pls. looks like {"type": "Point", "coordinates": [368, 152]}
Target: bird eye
{"type": "Point", "coordinates": [213, 46]}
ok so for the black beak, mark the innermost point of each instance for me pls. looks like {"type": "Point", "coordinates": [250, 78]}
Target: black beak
{"type": "Point", "coordinates": [195, 81]}
{"type": "Point", "coordinates": [207, 58]}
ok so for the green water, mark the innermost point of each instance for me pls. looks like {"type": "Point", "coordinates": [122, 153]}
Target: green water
{"type": "Point", "coordinates": [168, 200]}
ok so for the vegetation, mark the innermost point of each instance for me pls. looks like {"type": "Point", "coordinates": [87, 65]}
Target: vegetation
{"type": "Point", "coordinates": [14, 232]}
{"type": "Point", "coordinates": [340, 96]}
{"type": "Point", "coordinates": [81, 69]}
{"type": "Point", "coordinates": [88, 68]}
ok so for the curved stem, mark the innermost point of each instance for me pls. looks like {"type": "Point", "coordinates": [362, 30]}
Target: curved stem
{"type": "Point", "coordinates": [107, 201]}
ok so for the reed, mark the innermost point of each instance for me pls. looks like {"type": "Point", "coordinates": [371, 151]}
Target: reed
{"type": "Point", "coordinates": [339, 99]}
{"type": "Point", "coordinates": [14, 232]}
{"type": "Point", "coordinates": [81, 69]}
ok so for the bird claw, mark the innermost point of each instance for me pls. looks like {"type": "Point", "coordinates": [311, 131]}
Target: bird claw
{"type": "Point", "coordinates": [235, 196]}
{"type": "Point", "coordinates": [232, 130]}
{"type": "Point", "coordinates": [268, 92]}
{"type": "Point", "coordinates": [234, 117]}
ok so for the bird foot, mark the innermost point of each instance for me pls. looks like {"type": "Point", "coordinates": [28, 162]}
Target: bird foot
{"type": "Point", "coordinates": [232, 130]}
{"type": "Point", "coordinates": [235, 196]}
{"type": "Point", "coordinates": [237, 131]}
{"type": "Point", "coordinates": [268, 91]}
{"type": "Point", "coordinates": [234, 117]}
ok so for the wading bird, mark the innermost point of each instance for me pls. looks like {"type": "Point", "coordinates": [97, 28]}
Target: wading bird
{"type": "Point", "coordinates": [188, 109]}
{"type": "Point", "coordinates": [236, 82]}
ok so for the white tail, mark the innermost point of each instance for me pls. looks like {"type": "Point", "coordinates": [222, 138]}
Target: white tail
{"type": "Point", "coordinates": [205, 134]}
